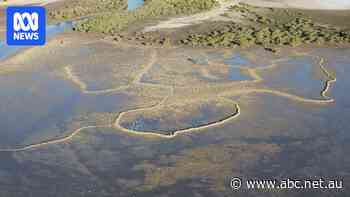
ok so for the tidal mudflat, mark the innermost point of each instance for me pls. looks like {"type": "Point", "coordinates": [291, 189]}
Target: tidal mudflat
{"type": "Point", "coordinates": [151, 121]}
{"type": "Point", "coordinates": [88, 116]}
{"type": "Point", "coordinates": [134, 108]}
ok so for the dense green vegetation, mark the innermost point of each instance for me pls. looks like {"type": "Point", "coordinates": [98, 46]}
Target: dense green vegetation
{"type": "Point", "coordinates": [266, 27]}
{"type": "Point", "coordinates": [76, 8]}
{"type": "Point", "coordinates": [269, 32]}
{"type": "Point", "coordinates": [112, 22]}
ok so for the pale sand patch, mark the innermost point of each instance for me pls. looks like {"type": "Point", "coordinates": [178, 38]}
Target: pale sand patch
{"type": "Point", "coordinates": [194, 19]}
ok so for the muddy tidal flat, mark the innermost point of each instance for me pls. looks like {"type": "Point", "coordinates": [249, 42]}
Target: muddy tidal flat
{"type": "Point", "coordinates": [176, 98]}
{"type": "Point", "coordinates": [87, 116]}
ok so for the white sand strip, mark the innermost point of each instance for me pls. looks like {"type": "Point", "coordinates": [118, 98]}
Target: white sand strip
{"type": "Point", "coordinates": [193, 19]}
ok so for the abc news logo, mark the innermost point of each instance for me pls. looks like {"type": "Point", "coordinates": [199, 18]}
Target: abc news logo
{"type": "Point", "coordinates": [29, 29]}
{"type": "Point", "coordinates": [33, 21]}
{"type": "Point", "coordinates": [26, 25]}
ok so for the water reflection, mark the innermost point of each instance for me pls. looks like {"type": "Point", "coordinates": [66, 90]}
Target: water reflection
{"type": "Point", "coordinates": [133, 4]}
{"type": "Point", "coordinates": [38, 106]}
{"type": "Point", "coordinates": [274, 137]}
{"type": "Point", "coordinates": [51, 31]}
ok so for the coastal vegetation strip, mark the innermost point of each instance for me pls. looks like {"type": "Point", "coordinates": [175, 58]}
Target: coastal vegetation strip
{"type": "Point", "coordinates": [267, 27]}
{"type": "Point", "coordinates": [114, 22]}
{"type": "Point", "coordinates": [73, 9]}
{"type": "Point", "coordinates": [262, 27]}
{"type": "Point", "coordinates": [244, 26]}
{"type": "Point", "coordinates": [177, 22]}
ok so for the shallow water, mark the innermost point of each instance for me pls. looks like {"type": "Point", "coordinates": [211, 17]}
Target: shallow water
{"type": "Point", "coordinates": [33, 102]}
{"type": "Point", "coordinates": [237, 60]}
{"type": "Point", "coordinates": [39, 106]}
{"type": "Point", "coordinates": [273, 137]}
{"type": "Point", "coordinates": [51, 31]}
{"type": "Point", "coordinates": [133, 4]}
{"type": "Point", "coordinates": [301, 76]}
{"type": "Point", "coordinates": [168, 120]}
{"type": "Point", "coordinates": [235, 74]}
{"type": "Point", "coordinates": [6, 51]}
